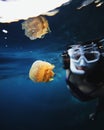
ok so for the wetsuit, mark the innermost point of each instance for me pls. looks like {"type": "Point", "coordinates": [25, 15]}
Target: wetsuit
{"type": "Point", "coordinates": [89, 85]}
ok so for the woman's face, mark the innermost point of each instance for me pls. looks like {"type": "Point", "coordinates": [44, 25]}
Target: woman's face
{"type": "Point", "coordinates": [82, 59]}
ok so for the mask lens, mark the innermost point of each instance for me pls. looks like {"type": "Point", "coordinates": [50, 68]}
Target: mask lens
{"type": "Point", "coordinates": [76, 56]}
{"type": "Point", "coordinates": [88, 53]}
{"type": "Point", "coordinates": [91, 56]}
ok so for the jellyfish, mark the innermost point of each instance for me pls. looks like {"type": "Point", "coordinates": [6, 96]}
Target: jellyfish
{"type": "Point", "coordinates": [36, 27]}
{"type": "Point", "coordinates": [41, 71]}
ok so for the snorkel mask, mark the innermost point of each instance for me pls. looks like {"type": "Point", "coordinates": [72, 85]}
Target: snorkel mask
{"type": "Point", "coordinates": [83, 57]}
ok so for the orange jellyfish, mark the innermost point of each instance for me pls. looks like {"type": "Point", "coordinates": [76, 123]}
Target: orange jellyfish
{"type": "Point", "coordinates": [41, 71]}
{"type": "Point", "coordinates": [36, 27]}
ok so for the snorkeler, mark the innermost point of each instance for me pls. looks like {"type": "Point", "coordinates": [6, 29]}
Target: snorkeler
{"type": "Point", "coordinates": [84, 65]}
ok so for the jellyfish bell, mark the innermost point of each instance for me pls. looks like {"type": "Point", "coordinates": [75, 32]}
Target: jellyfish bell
{"type": "Point", "coordinates": [36, 27]}
{"type": "Point", "coordinates": [41, 71]}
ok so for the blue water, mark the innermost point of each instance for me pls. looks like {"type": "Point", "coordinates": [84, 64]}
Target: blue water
{"type": "Point", "coordinates": [25, 105]}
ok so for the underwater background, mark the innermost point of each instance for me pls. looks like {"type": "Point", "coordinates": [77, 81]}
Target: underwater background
{"type": "Point", "coordinates": [25, 105]}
